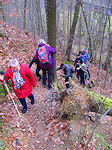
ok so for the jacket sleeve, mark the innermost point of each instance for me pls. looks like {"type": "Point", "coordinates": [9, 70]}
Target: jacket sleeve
{"type": "Point", "coordinates": [6, 75]}
{"type": "Point", "coordinates": [75, 62]}
{"type": "Point", "coordinates": [30, 76]}
{"type": "Point", "coordinates": [30, 64]}
{"type": "Point", "coordinates": [72, 70]}
{"type": "Point", "coordinates": [58, 68]}
{"type": "Point", "coordinates": [52, 50]}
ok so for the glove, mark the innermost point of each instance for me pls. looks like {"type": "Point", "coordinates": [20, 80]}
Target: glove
{"type": "Point", "coordinates": [88, 78]}
{"type": "Point", "coordinates": [2, 72]}
{"type": "Point", "coordinates": [62, 76]}
{"type": "Point", "coordinates": [1, 77]}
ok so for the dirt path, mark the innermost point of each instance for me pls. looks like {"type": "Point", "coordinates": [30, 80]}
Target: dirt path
{"type": "Point", "coordinates": [35, 134]}
{"type": "Point", "coordinates": [38, 131]}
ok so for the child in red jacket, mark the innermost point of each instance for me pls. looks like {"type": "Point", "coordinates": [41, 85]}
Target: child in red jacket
{"type": "Point", "coordinates": [22, 81]}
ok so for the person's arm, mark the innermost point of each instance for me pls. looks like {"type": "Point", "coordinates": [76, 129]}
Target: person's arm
{"type": "Point", "coordinates": [68, 73]}
{"type": "Point", "coordinates": [7, 75]}
{"type": "Point", "coordinates": [30, 64]}
{"type": "Point", "coordinates": [30, 76]}
{"type": "Point", "coordinates": [75, 62]}
{"type": "Point", "coordinates": [58, 68]}
{"type": "Point", "coordinates": [72, 70]}
{"type": "Point", "coordinates": [1, 77]}
{"type": "Point", "coordinates": [52, 50]}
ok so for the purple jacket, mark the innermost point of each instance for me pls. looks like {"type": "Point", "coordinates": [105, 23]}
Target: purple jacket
{"type": "Point", "coordinates": [50, 50]}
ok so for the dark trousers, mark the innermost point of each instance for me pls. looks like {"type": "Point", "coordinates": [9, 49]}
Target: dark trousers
{"type": "Point", "coordinates": [82, 77]}
{"type": "Point", "coordinates": [37, 71]}
{"type": "Point", "coordinates": [78, 74]}
{"type": "Point", "coordinates": [50, 76]}
{"type": "Point", "coordinates": [67, 80]}
{"type": "Point", "coordinates": [23, 101]}
{"type": "Point", "coordinates": [88, 73]}
{"type": "Point", "coordinates": [77, 71]}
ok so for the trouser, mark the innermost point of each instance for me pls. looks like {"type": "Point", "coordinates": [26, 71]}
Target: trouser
{"type": "Point", "coordinates": [82, 78]}
{"type": "Point", "coordinates": [77, 71]}
{"type": "Point", "coordinates": [67, 84]}
{"type": "Point", "coordinates": [78, 74]}
{"type": "Point", "coordinates": [23, 101]}
{"type": "Point", "coordinates": [50, 76]}
{"type": "Point", "coordinates": [37, 71]}
{"type": "Point", "coordinates": [88, 73]}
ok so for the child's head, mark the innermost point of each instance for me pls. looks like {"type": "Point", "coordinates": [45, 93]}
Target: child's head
{"type": "Point", "coordinates": [62, 65]}
{"type": "Point", "coordinates": [42, 41]}
{"type": "Point", "coordinates": [78, 56]}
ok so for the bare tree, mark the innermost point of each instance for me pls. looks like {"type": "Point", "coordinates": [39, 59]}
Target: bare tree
{"type": "Point", "coordinates": [88, 32]}
{"type": "Point", "coordinates": [51, 29]}
{"type": "Point", "coordinates": [72, 29]}
{"type": "Point", "coordinates": [3, 16]}
{"type": "Point", "coordinates": [24, 17]}
{"type": "Point", "coordinates": [102, 42]}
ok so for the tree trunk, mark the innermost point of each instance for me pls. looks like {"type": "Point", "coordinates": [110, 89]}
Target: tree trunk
{"type": "Point", "coordinates": [51, 29]}
{"type": "Point", "coordinates": [24, 17]}
{"type": "Point", "coordinates": [89, 36]}
{"type": "Point", "coordinates": [72, 29]}
{"type": "Point", "coordinates": [109, 55]}
{"type": "Point", "coordinates": [96, 100]}
{"type": "Point", "coordinates": [79, 32]}
{"type": "Point", "coordinates": [3, 16]}
{"type": "Point", "coordinates": [101, 51]}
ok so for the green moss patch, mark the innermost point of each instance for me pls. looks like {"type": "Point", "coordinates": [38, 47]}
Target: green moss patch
{"type": "Point", "coordinates": [107, 102]}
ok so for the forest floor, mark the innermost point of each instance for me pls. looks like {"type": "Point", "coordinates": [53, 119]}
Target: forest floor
{"type": "Point", "coordinates": [40, 130]}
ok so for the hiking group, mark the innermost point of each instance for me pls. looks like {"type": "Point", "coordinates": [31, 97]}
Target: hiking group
{"type": "Point", "coordinates": [22, 79]}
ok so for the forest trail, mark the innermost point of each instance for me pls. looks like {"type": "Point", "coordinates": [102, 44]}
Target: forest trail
{"type": "Point", "coordinates": [36, 133]}
{"type": "Point", "coordinates": [39, 132]}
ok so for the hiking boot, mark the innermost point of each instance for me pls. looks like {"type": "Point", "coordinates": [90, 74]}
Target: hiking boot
{"type": "Point", "coordinates": [68, 90]}
{"type": "Point", "coordinates": [83, 85]}
{"type": "Point", "coordinates": [24, 110]}
{"type": "Point", "coordinates": [32, 102]}
{"type": "Point", "coordinates": [49, 88]}
{"type": "Point", "coordinates": [44, 85]}
{"type": "Point", "coordinates": [39, 79]}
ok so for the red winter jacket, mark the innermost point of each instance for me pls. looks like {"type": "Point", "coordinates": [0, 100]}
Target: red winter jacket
{"type": "Point", "coordinates": [28, 77]}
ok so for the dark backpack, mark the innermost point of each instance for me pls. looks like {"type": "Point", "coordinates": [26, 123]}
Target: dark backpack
{"type": "Point", "coordinates": [43, 55]}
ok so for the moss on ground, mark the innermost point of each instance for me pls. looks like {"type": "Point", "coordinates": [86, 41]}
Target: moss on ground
{"type": "Point", "coordinates": [107, 102]}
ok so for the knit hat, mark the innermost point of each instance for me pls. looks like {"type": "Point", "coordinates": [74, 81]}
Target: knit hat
{"type": "Point", "coordinates": [42, 41]}
{"type": "Point", "coordinates": [62, 65]}
{"type": "Point", "coordinates": [14, 62]}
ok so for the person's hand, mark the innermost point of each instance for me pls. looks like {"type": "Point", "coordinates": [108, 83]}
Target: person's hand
{"type": "Point", "coordinates": [1, 77]}
{"type": "Point", "coordinates": [61, 76]}
{"type": "Point", "coordinates": [88, 78]}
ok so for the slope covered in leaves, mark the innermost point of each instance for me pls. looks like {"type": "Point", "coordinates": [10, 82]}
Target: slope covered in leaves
{"type": "Point", "coordinates": [41, 130]}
